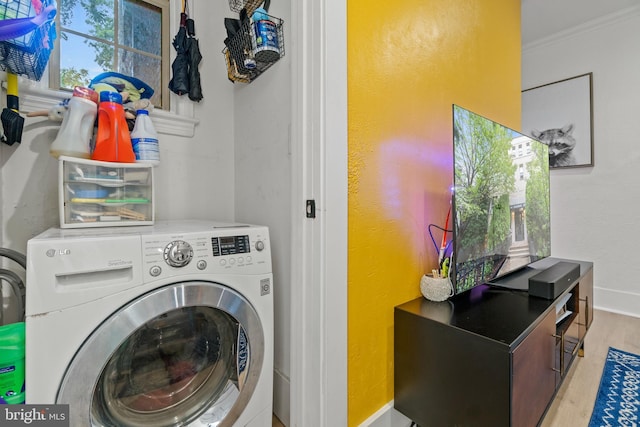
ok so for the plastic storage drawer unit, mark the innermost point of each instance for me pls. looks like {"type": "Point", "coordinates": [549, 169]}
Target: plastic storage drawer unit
{"type": "Point", "coordinates": [104, 194]}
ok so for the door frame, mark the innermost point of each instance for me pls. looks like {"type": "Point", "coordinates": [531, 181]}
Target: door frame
{"type": "Point", "coordinates": [318, 394]}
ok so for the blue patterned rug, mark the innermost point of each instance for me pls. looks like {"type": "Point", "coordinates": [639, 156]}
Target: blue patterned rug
{"type": "Point", "coordinates": [617, 403]}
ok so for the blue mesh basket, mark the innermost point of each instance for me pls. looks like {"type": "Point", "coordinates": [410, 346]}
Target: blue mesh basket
{"type": "Point", "coordinates": [28, 54]}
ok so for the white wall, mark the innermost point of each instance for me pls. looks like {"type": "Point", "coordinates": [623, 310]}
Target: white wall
{"type": "Point", "coordinates": [262, 124]}
{"type": "Point", "coordinates": [593, 210]}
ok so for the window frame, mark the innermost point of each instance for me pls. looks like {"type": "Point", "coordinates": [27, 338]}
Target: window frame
{"type": "Point", "coordinates": [163, 5]}
{"type": "Point", "coordinates": [179, 120]}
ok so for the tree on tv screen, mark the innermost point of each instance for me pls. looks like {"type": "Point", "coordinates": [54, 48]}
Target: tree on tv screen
{"type": "Point", "coordinates": [537, 197]}
{"type": "Point", "coordinates": [484, 177]}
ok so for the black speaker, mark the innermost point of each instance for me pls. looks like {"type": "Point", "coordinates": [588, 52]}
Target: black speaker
{"type": "Point", "coordinates": [551, 282]}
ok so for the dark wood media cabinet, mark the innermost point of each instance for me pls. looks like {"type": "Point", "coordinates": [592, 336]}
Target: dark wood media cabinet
{"type": "Point", "coordinates": [493, 356]}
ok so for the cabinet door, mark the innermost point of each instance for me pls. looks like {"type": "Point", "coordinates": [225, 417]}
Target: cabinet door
{"type": "Point", "coordinates": [533, 377]}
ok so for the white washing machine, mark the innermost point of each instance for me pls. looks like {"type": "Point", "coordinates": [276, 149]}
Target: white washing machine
{"type": "Point", "coordinates": [163, 325]}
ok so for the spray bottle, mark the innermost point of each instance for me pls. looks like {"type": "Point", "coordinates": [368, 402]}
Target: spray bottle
{"type": "Point", "coordinates": [144, 139]}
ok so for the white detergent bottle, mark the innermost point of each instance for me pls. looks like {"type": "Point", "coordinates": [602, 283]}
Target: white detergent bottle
{"type": "Point", "coordinates": [144, 139]}
{"type": "Point", "coordinates": [74, 136]}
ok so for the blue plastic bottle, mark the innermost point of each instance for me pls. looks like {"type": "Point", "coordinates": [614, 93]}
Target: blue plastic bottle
{"type": "Point", "coordinates": [266, 47]}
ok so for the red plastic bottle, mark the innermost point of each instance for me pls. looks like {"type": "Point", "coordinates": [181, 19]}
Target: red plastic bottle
{"type": "Point", "coordinates": [113, 141]}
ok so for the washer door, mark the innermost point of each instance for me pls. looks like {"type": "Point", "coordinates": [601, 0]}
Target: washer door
{"type": "Point", "coordinates": [187, 351]}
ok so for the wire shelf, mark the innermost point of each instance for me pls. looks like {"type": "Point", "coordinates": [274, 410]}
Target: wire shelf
{"type": "Point", "coordinates": [249, 5]}
{"type": "Point", "coordinates": [248, 56]}
{"type": "Point", "coordinates": [27, 55]}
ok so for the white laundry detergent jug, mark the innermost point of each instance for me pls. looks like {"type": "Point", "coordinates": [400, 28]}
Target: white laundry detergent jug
{"type": "Point", "coordinates": [74, 136]}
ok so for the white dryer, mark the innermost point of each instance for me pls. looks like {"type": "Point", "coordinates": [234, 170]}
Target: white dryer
{"type": "Point", "coordinates": [163, 325]}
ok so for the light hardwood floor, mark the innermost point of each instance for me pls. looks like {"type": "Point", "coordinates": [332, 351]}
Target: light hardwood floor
{"type": "Point", "coordinates": [574, 401]}
{"type": "Point", "coordinates": [276, 422]}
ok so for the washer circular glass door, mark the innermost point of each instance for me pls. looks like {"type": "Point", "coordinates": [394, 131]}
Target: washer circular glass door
{"type": "Point", "coordinates": [176, 354]}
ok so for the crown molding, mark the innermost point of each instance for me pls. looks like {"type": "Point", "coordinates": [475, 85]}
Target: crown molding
{"type": "Point", "coordinates": [595, 24]}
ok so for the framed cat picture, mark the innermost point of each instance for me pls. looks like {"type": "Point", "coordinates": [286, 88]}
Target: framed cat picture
{"type": "Point", "coordinates": [560, 115]}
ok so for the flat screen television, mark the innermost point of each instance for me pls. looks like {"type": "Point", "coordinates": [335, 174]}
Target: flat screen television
{"type": "Point", "coordinates": [500, 201]}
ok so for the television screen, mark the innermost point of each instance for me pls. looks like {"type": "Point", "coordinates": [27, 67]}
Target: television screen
{"type": "Point", "coordinates": [500, 202]}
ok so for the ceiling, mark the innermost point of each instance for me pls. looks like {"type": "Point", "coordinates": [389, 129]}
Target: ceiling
{"type": "Point", "coordinates": [543, 18]}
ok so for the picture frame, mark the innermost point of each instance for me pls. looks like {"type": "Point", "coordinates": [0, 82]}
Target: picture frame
{"type": "Point", "coordinates": [560, 115]}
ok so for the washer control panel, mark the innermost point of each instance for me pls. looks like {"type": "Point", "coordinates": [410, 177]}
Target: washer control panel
{"type": "Point", "coordinates": [230, 245]}
{"type": "Point", "coordinates": [232, 251]}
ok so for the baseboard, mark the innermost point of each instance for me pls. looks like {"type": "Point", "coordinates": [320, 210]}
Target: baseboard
{"type": "Point", "coordinates": [281, 397]}
{"type": "Point", "coordinates": [387, 416]}
{"type": "Point", "coordinates": [620, 302]}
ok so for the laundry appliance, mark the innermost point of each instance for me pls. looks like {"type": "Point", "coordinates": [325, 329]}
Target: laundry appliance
{"type": "Point", "coordinates": [162, 325]}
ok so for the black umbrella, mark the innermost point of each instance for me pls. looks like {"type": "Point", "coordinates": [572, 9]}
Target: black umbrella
{"type": "Point", "coordinates": [180, 81]}
{"type": "Point", "coordinates": [194, 58]}
{"type": "Point", "coordinates": [195, 89]}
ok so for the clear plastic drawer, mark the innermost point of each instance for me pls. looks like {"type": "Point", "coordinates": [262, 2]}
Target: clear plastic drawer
{"type": "Point", "coordinates": [104, 194]}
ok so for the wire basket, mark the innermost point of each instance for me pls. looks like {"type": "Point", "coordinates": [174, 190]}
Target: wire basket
{"type": "Point", "coordinates": [27, 55]}
{"type": "Point", "coordinates": [249, 5]}
{"type": "Point", "coordinates": [248, 54]}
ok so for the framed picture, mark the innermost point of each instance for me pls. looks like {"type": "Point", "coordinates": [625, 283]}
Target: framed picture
{"type": "Point", "coordinates": [560, 114]}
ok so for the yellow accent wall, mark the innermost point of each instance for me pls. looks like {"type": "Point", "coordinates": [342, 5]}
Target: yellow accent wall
{"type": "Point", "coordinates": [408, 62]}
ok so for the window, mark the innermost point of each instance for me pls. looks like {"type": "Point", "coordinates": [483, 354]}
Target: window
{"type": "Point", "coordinates": [127, 36]}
